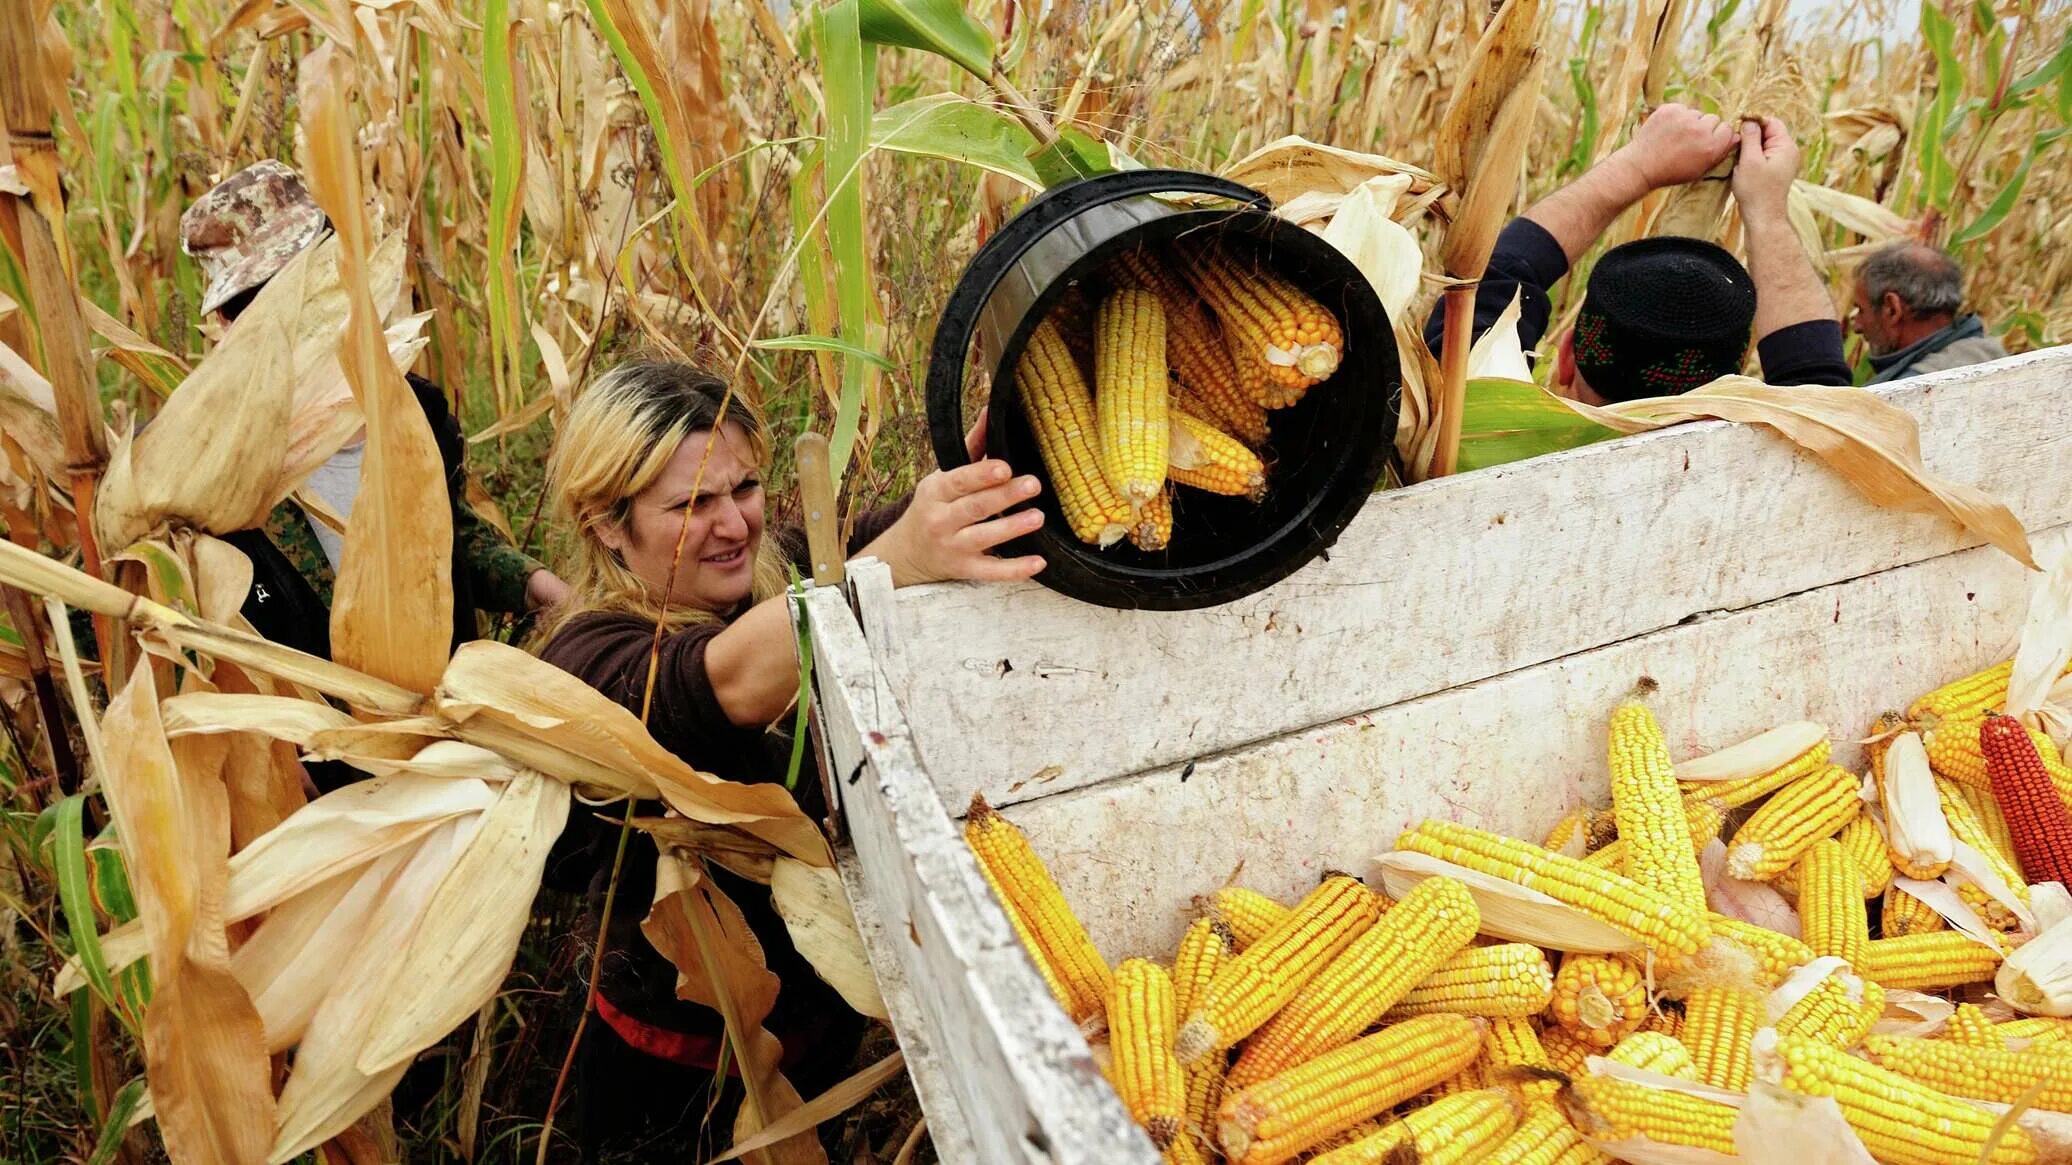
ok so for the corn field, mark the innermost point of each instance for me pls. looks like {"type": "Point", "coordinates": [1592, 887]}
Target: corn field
{"type": "Point", "coordinates": [528, 191]}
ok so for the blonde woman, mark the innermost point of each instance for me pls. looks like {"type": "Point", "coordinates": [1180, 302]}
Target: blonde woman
{"type": "Point", "coordinates": [643, 446]}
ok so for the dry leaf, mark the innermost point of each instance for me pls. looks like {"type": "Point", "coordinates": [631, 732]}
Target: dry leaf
{"type": "Point", "coordinates": [292, 961]}
{"type": "Point", "coordinates": [277, 717]}
{"type": "Point", "coordinates": [1293, 166]}
{"type": "Point", "coordinates": [1869, 219]}
{"type": "Point", "coordinates": [1364, 229]}
{"type": "Point", "coordinates": [1496, 352]}
{"type": "Point", "coordinates": [1509, 911]}
{"type": "Point", "coordinates": [822, 1108]}
{"type": "Point", "coordinates": [816, 913]}
{"type": "Point", "coordinates": [1780, 1125]}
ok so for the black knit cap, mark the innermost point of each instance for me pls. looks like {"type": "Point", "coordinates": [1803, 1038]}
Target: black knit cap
{"type": "Point", "coordinates": [1663, 316]}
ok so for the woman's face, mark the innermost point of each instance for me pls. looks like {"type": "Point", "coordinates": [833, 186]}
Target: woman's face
{"type": "Point", "coordinates": [726, 522]}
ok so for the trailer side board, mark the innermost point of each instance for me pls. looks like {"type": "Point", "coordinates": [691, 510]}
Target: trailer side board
{"type": "Point", "coordinates": [1029, 694]}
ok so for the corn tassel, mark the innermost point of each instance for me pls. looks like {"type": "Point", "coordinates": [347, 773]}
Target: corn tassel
{"type": "Point", "coordinates": [1787, 825]}
{"type": "Point", "coordinates": [1247, 991]}
{"type": "Point", "coordinates": [1130, 395]}
{"type": "Point", "coordinates": [1432, 922]}
{"type": "Point", "coordinates": [1060, 412]}
{"type": "Point", "coordinates": [1141, 1023]}
{"type": "Point", "coordinates": [1900, 1121]}
{"type": "Point", "coordinates": [1025, 887]}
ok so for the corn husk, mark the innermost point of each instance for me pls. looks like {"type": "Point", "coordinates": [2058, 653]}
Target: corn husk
{"type": "Point", "coordinates": [1913, 1013]}
{"type": "Point", "coordinates": [1968, 865]}
{"type": "Point", "coordinates": [1912, 817]}
{"type": "Point", "coordinates": [1290, 167]}
{"type": "Point", "coordinates": [1804, 980]}
{"type": "Point", "coordinates": [1496, 353]}
{"type": "Point", "coordinates": [1765, 752]}
{"type": "Point", "coordinates": [1941, 897]}
{"type": "Point", "coordinates": [1364, 229]}
{"type": "Point", "coordinates": [816, 913]}
{"type": "Point", "coordinates": [275, 717]}
{"type": "Point", "coordinates": [1759, 903]}
{"type": "Point", "coordinates": [1777, 1124]}
{"type": "Point", "coordinates": [291, 963]}
{"type": "Point", "coordinates": [1872, 220]}
{"type": "Point", "coordinates": [2037, 978]}
{"type": "Point", "coordinates": [1509, 911]}
{"type": "Point", "coordinates": [2044, 650]}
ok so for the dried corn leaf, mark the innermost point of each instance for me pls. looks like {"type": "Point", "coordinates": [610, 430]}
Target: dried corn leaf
{"type": "Point", "coordinates": [1869, 219]}
{"type": "Point", "coordinates": [463, 948]}
{"type": "Point", "coordinates": [28, 413]}
{"type": "Point", "coordinates": [824, 1107]}
{"type": "Point", "coordinates": [389, 741]}
{"type": "Point", "coordinates": [119, 948]}
{"type": "Point", "coordinates": [292, 961]}
{"type": "Point", "coordinates": [329, 418]}
{"type": "Point", "coordinates": [2045, 647]}
{"type": "Point", "coordinates": [392, 608]}
{"type": "Point", "coordinates": [439, 758]}
{"type": "Point", "coordinates": [343, 830]}
{"type": "Point", "coordinates": [542, 717]}
{"type": "Point", "coordinates": [816, 913]}
{"type": "Point", "coordinates": [209, 458]}
{"type": "Point", "coordinates": [276, 717]}
{"type": "Point", "coordinates": [1292, 166]}
{"type": "Point", "coordinates": [204, 1047]}
{"type": "Point", "coordinates": [221, 572]}
{"type": "Point", "coordinates": [1364, 229]}
{"type": "Point", "coordinates": [255, 654]}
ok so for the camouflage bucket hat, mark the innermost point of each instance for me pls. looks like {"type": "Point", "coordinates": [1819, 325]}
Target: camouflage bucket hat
{"type": "Point", "coordinates": [245, 229]}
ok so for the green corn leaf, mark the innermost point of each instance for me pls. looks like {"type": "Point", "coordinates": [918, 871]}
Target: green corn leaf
{"type": "Point", "coordinates": [506, 200]}
{"type": "Point", "coordinates": [958, 129]}
{"type": "Point", "coordinates": [1073, 156]}
{"type": "Point", "coordinates": [2011, 193]}
{"type": "Point", "coordinates": [1589, 124]}
{"type": "Point", "coordinates": [1511, 420]}
{"type": "Point", "coordinates": [848, 68]}
{"type": "Point", "coordinates": [121, 1107]}
{"type": "Point", "coordinates": [1719, 21]}
{"type": "Point", "coordinates": [2045, 73]}
{"type": "Point", "coordinates": [822, 344]}
{"type": "Point", "coordinates": [111, 887]}
{"type": "Point", "coordinates": [79, 1051]}
{"type": "Point", "coordinates": [75, 894]}
{"type": "Point", "coordinates": [1938, 179]}
{"type": "Point", "coordinates": [799, 726]}
{"type": "Point", "coordinates": [941, 27]}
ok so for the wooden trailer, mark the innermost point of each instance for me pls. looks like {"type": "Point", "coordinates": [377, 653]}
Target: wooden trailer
{"type": "Point", "coordinates": [1455, 655]}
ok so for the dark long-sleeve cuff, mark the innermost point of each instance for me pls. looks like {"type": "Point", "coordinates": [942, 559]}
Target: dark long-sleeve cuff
{"type": "Point", "coordinates": [1804, 353]}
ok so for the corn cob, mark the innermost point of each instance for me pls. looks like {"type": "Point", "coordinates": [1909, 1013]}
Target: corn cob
{"type": "Point", "coordinates": [1281, 341]}
{"type": "Point", "coordinates": [1600, 997]}
{"type": "Point", "coordinates": [1718, 1024]}
{"type": "Point", "coordinates": [1248, 913]}
{"type": "Point", "coordinates": [1195, 350]}
{"type": "Point", "coordinates": [1153, 527]}
{"type": "Point", "coordinates": [1645, 805]}
{"type": "Point", "coordinates": [1469, 1079]}
{"type": "Point", "coordinates": [1977, 1072]}
{"type": "Point", "coordinates": [1141, 1022]}
{"type": "Point", "coordinates": [1734, 794]}
{"type": "Point", "coordinates": [1572, 829]}
{"type": "Point", "coordinates": [1775, 955]}
{"type": "Point", "coordinates": [1788, 824]}
{"type": "Point", "coordinates": [1358, 1132]}
{"type": "Point", "coordinates": [1544, 1137]}
{"type": "Point", "coordinates": [1454, 1130]}
{"type": "Point", "coordinates": [1130, 396]}
{"type": "Point", "coordinates": [2037, 1031]}
{"type": "Point", "coordinates": [1969, 1024]}
{"type": "Point", "coordinates": [1979, 692]}
{"type": "Point", "coordinates": [1831, 914]}
{"type": "Point", "coordinates": [1970, 826]}
{"type": "Point", "coordinates": [1183, 1151]}
{"type": "Point", "coordinates": [1990, 816]}
{"type": "Point", "coordinates": [1432, 922]}
{"type": "Point", "coordinates": [1511, 1045]}
{"type": "Point", "coordinates": [1247, 991]}
{"type": "Point", "coordinates": [1954, 752]}
{"type": "Point", "coordinates": [1900, 1121]}
{"type": "Point", "coordinates": [1278, 1118]}
{"type": "Point", "coordinates": [1566, 1052]}
{"type": "Point", "coordinates": [1034, 949]}
{"type": "Point", "coordinates": [1905, 914]}
{"type": "Point", "coordinates": [1702, 822]}
{"type": "Point", "coordinates": [1665, 1020]}
{"type": "Point", "coordinates": [1929, 962]}
{"type": "Point", "coordinates": [1655, 1052]}
{"type": "Point", "coordinates": [1613, 1111]}
{"type": "Point", "coordinates": [1917, 832]}
{"type": "Point", "coordinates": [1865, 846]}
{"type": "Point", "coordinates": [1839, 1010]}
{"type": "Point", "coordinates": [1507, 981]}
{"type": "Point", "coordinates": [2036, 817]}
{"type": "Point", "coordinates": [1025, 887]}
{"type": "Point", "coordinates": [1073, 316]}
{"type": "Point", "coordinates": [1060, 412]}
{"type": "Point", "coordinates": [1204, 948]}
{"type": "Point", "coordinates": [1205, 458]}
{"type": "Point", "coordinates": [1672, 929]}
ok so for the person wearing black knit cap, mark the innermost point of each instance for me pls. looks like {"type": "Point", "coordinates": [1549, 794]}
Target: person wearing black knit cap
{"type": "Point", "coordinates": [1662, 316]}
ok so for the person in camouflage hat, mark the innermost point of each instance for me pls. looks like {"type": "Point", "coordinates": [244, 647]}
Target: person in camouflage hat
{"type": "Point", "coordinates": [242, 233]}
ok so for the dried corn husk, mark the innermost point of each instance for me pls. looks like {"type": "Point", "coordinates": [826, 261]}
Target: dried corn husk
{"type": "Point", "coordinates": [816, 914]}
{"type": "Point", "coordinates": [1509, 911]}
{"type": "Point", "coordinates": [1764, 752]}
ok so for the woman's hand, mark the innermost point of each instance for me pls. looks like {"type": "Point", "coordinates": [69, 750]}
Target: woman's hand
{"type": "Point", "coordinates": [954, 522]}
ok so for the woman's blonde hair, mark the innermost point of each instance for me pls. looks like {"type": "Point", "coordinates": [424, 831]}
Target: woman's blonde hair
{"type": "Point", "coordinates": [621, 433]}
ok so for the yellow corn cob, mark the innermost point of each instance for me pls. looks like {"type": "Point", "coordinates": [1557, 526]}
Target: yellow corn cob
{"type": "Point", "coordinates": [1204, 948]}
{"type": "Point", "coordinates": [1195, 349]}
{"type": "Point", "coordinates": [1248, 913]}
{"type": "Point", "coordinates": [1358, 1132]}
{"type": "Point", "coordinates": [1969, 1024]}
{"type": "Point", "coordinates": [1141, 1022]}
{"type": "Point", "coordinates": [1929, 962]}
{"type": "Point", "coordinates": [1130, 405]}
{"type": "Point", "coordinates": [1566, 1051]}
{"type": "Point", "coordinates": [1034, 949]}
{"type": "Point", "coordinates": [1899, 1120]}
{"type": "Point", "coordinates": [1788, 824]}
{"type": "Point", "coordinates": [1278, 1118]}
{"type": "Point", "coordinates": [1512, 1044]}
{"type": "Point", "coordinates": [1866, 848]}
{"type": "Point", "coordinates": [1572, 828]}
{"type": "Point", "coordinates": [1839, 1011]}
{"type": "Point", "coordinates": [1544, 1137]}
{"type": "Point", "coordinates": [1025, 887]}
{"type": "Point", "coordinates": [1905, 914]}
{"type": "Point", "coordinates": [1702, 822]}
{"type": "Point", "coordinates": [1655, 1052]}
{"type": "Point", "coordinates": [1469, 1079]}
{"type": "Point", "coordinates": [1280, 339]}
{"type": "Point", "coordinates": [1247, 991]}
{"type": "Point", "coordinates": [1204, 457]}
{"type": "Point", "coordinates": [1647, 808]}
{"type": "Point", "coordinates": [1432, 922]}
{"type": "Point", "coordinates": [1967, 825]}
{"type": "Point", "coordinates": [1953, 752]}
{"type": "Point", "coordinates": [1831, 914]}
{"type": "Point", "coordinates": [1183, 1151]}
{"type": "Point", "coordinates": [1734, 794]}
{"type": "Point", "coordinates": [1506, 981]}
{"type": "Point", "coordinates": [1153, 529]}
{"type": "Point", "coordinates": [1979, 692]}
{"type": "Point", "coordinates": [1990, 816]}
{"type": "Point", "coordinates": [1980, 1073]}
{"type": "Point", "coordinates": [1608, 1109]}
{"type": "Point", "coordinates": [1456, 1129]}
{"type": "Point", "coordinates": [1776, 955]}
{"type": "Point", "coordinates": [1718, 1024]}
{"type": "Point", "coordinates": [1665, 1020]}
{"type": "Point", "coordinates": [2038, 1030]}
{"type": "Point", "coordinates": [1060, 412]}
{"type": "Point", "coordinates": [1600, 997]}
{"type": "Point", "coordinates": [1671, 928]}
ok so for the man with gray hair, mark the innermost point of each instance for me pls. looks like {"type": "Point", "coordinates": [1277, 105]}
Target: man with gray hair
{"type": "Point", "coordinates": [1907, 296]}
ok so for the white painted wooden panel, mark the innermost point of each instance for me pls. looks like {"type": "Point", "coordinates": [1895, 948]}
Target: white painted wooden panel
{"type": "Point", "coordinates": [1020, 692]}
{"type": "Point", "coordinates": [1516, 752]}
{"type": "Point", "coordinates": [1024, 1081]}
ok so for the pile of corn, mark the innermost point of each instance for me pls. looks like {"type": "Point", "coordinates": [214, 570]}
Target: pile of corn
{"type": "Point", "coordinates": [1184, 372]}
{"type": "Point", "coordinates": [1352, 1026]}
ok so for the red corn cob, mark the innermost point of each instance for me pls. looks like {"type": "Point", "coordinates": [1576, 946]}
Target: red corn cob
{"type": "Point", "coordinates": [2036, 818]}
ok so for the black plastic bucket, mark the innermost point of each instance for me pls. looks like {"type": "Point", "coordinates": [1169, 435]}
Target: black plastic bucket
{"type": "Point", "coordinates": [1325, 454]}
